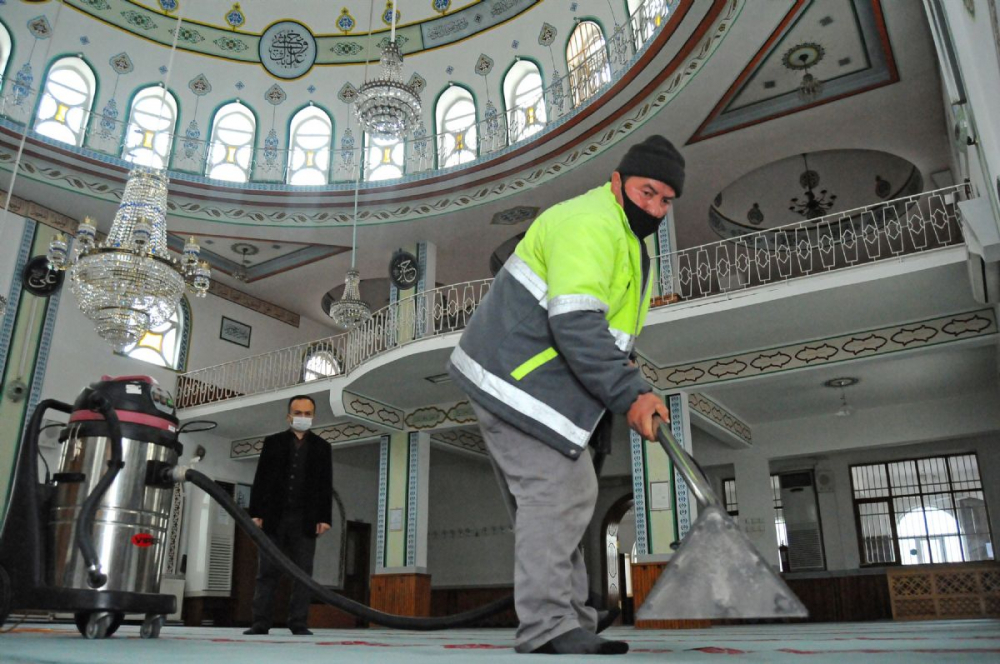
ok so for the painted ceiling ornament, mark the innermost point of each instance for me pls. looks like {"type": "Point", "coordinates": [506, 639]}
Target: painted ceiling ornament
{"type": "Point", "coordinates": [275, 95]}
{"type": "Point", "coordinates": [348, 93]}
{"type": "Point", "coordinates": [347, 149]}
{"type": "Point", "coordinates": [169, 6]}
{"type": "Point", "coordinates": [235, 17]}
{"type": "Point", "coordinates": [346, 22]}
{"type": "Point", "coordinates": [22, 83]}
{"type": "Point", "coordinates": [417, 82]}
{"type": "Point", "coordinates": [547, 34]}
{"type": "Point", "coordinates": [420, 141]}
{"type": "Point", "coordinates": [99, 5]}
{"type": "Point", "coordinates": [387, 17]}
{"type": "Point", "coordinates": [140, 20]}
{"type": "Point", "coordinates": [121, 63]}
{"type": "Point", "coordinates": [345, 49]}
{"type": "Point", "coordinates": [271, 148]}
{"type": "Point", "coordinates": [192, 139]}
{"type": "Point", "coordinates": [40, 27]}
{"type": "Point", "coordinates": [109, 119]}
{"type": "Point", "coordinates": [441, 6]}
{"type": "Point", "coordinates": [199, 85]}
{"type": "Point", "coordinates": [287, 49]}
{"type": "Point", "coordinates": [188, 35]}
{"type": "Point", "coordinates": [484, 65]}
{"type": "Point", "coordinates": [755, 215]}
{"type": "Point", "coordinates": [229, 44]}
{"type": "Point", "coordinates": [801, 58]}
{"type": "Point", "coordinates": [883, 189]}
{"type": "Point", "coordinates": [400, 41]}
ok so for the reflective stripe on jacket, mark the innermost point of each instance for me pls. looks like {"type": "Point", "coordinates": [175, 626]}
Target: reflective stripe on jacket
{"type": "Point", "coordinates": [548, 348]}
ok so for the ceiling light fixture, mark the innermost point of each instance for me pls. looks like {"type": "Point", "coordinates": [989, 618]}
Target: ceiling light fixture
{"type": "Point", "coordinates": [801, 58]}
{"type": "Point", "coordinates": [839, 384]}
{"type": "Point", "coordinates": [386, 107]}
{"type": "Point", "coordinates": [129, 283]}
{"type": "Point", "coordinates": [812, 206]}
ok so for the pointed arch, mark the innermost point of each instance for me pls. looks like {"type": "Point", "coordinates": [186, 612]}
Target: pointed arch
{"type": "Point", "coordinates": [231, 147]}
{"type": "Point", "coordinates": [587, 61]}
{"type": "Point", "coordinates": [310, 140]}
{"type": "Point", "coordinates": [456, 127]}
{"type": "Point", "coordinates": [152, 122]}
{"type": "Point", "coordinates": [66, 100]}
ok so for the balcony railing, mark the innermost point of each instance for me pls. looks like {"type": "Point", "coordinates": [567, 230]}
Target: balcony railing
{"type": "Point", "coordinates": [428, 314]}
{"type": "Point", "coordinates": [264, 161]}
{"type": "Point", "coordinates": [879, 232]}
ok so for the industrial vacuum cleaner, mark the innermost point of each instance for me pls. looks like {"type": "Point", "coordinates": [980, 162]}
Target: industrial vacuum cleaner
{"type": "Point", "coordinates": [90, 539]}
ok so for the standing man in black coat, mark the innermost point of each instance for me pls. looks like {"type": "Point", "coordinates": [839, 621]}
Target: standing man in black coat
{"type": "Point", "coordinates": [292, 500]}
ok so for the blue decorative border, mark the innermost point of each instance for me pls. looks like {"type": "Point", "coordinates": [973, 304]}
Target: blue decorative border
{"type": "Point", "coordinates": [383, 501]}
{"type": "Point", "coordinates": [420, 304]}
{"type": "Point", "coordinates": [682, 499]}
{"type": "Point", "coordinates": [412, 492]}
{"type": "Point", "coordinates": [639, 494]}
{"type": "Point", "coordinates": [14, 295]}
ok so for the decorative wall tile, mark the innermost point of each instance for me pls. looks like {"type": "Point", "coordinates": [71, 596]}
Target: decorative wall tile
{"type": "Point", "coordinates": [462, 439]}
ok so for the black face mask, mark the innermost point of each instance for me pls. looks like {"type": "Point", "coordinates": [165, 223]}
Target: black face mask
{"type": "Point", "coordinates": [641, 222]}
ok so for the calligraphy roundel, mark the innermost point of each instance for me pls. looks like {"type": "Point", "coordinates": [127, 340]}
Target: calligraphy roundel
{"type": "Point", "coordinates": [39, 278]}
{"type": "Point", "coordinates": [287, 49]}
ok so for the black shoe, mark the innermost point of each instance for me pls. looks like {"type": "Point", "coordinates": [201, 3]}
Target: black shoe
{"type": "Point", "coordinates": [301, 631]}
{"type": "Point", "coordinates": [256, 629]}
{"type": "Point", "coordinates": [606, 618]}
{"type": "Point", "coordinates": [581, 642]}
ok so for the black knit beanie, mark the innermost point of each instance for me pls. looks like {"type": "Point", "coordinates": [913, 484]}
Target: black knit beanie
{"type": "Point", "coordinates": [655, 158]}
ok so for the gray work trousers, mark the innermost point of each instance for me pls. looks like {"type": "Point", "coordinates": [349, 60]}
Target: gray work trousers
{"type": "Point", "coordinates": [554, 497]}
{"type": "Point", "coordinates": [301, 549]}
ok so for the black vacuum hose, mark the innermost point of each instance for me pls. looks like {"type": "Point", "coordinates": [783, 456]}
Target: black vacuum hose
{"type": "Point", "coordinates": [85, 526]}
{"type": "Point", "coordinates": [358, 609]}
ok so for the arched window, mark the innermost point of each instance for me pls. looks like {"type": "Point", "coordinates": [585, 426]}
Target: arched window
{"type": "Point", "coordinates": [66, 101]}
{"type": "Point", "coordinates": [167, 344]}
{"type": "Point", "coordinates": [929, 535]}
{"type": "Point", "coordinates": [309, 154]}
{"type": "Point", "coordinates": [231, 151]}
{"type": "Point", "coordinates": [321, 362]}
{"type": "Point", "coordinates": [5, 48]}
{"type": "Point", "coordinates": [151, 124]}
{"type": "Point", "coordinates": [455, 114]}
{"type": "Point", "coordinates": [646, 17]}
{"type": "Point", "coordinates": [524, 99]}
{"type": "Point", "coordinates": [587, 58]}
{"type": "Point", "coordinates": [384, 158]}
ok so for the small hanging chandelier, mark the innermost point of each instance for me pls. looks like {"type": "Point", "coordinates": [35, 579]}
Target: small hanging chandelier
{"type": "Point", "coordinates": [130, 283]}
{"type": "Point", "coordinates": [801, 58]}
{"type": "Point", "coordinates": [813, 206]}
{"type": "Point", "coordinates": [386, 107]}
{"type": "Point", "coordinates": [350, 310]}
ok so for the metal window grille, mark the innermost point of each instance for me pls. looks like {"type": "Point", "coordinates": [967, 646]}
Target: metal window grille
{"type": "Point", "coordinates": [924, 510]}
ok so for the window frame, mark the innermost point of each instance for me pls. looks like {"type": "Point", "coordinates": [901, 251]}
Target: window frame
{"type": "Point", "coordinates": [170, 101]}
{"type": "Point", "coordinates": [449, 98]}
{"type": "Point", "coordinates": [312, 112]}
{"type": "Point", "coordinates": [218, 118]}
{"type": "Point", "coordinates": [183, 350]}
{"type": "Point", "coordinates": [81, 68]}
{"type": "Point", "coordinates": [893, 515]}
{"type": "Point", "coordinates": [584, 57]}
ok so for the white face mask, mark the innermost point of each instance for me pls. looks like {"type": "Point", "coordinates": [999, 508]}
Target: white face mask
{"type": "Point", "coordinates": [302, 423]}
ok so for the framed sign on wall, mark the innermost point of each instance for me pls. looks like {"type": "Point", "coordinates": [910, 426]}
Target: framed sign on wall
{"type": "Point", "coordinates": [235, 332]}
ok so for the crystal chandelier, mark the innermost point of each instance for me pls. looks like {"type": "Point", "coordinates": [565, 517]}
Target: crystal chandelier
{"type": "Point", "coordinates": [350, 310]}
{"type": "Point", "coordinates": [385, 106]}
{"type": "Point", "coordinates": [130, 283]}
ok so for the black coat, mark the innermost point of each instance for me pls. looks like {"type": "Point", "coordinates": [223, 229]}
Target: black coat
{"type": "Point", "coordinates": [270, 483]}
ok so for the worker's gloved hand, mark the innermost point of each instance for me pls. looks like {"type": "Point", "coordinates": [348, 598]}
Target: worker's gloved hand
{"type": "Point", "coordinates": [642, 412]}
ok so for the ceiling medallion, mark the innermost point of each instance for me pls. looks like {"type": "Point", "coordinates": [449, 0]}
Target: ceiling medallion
{"type": "Point", "coordinates": [386, 107]}
{"type": "Point", "coordinates": [801, 58]}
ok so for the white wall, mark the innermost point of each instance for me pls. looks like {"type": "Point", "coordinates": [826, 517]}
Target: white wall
{"type": "Point", "coordinates": [464, 495]}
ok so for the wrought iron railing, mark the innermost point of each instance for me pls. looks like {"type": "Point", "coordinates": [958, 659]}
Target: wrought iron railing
{"type": "Point", "coordinates": [878, 232]}
{"type": "Point", "coordinates": [189, 151]}
{"type": "Point", "coordinates": [431, 313]}
{"type": "Point", "coordinates": [883, 231]}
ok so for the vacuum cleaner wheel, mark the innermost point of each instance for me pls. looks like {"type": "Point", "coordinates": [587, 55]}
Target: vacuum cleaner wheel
{"type": "Point", "coordinates": [5, 595]}
{"type": "Point", "coordinates": [98, 624]}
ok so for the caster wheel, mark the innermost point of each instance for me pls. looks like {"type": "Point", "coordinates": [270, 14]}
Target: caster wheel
{"type": "Point", "coordinates": [151, 626]}
{"type": "Point", "coordinates": [98, 624]}
{"type": "Point", "coordinates": [5, 595]}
